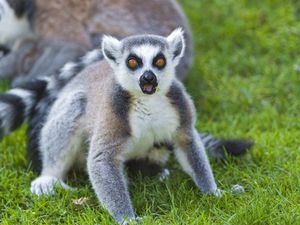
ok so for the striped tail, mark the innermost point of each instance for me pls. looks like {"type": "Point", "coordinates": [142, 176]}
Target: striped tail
{"type": "Point", "coordinates": [17, 104]}
{"type": "Point", "coordinates": [219, 148]}
{"type": "Point", "coordinates": [3, 50]}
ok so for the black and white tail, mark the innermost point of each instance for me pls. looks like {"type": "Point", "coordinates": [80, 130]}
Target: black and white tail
{"type": "Point", "coordinates": [218, 148]}
{"type": "Point", "coordinates": [17, 104]}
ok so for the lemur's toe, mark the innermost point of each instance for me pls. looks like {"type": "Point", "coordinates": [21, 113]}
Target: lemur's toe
{"type": "Point", "coordinates": [43, 185]}
{"type": "Point", "coordinates": [137, 220]}
{"type": "Point", "coordinates": [164, 175]}
{"type": "Point", "coordinates": [218, 193]}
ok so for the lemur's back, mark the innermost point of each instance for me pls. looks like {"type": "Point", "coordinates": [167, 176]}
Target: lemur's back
{"type": "Point", "coordinates": [97, 84]}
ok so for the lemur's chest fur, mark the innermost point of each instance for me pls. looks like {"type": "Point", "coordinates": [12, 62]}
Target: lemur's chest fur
{"type": "Point", "coordinates": [152, 119]}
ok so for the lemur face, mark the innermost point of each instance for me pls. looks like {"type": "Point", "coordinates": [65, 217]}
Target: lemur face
{"type": "Point", "coordinates": [144, 64]}
{"type": "Point", "coordinates": [13, 22]}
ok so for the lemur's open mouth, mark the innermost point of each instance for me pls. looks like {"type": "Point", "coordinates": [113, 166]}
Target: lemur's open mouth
{"type": "Point", "coordinates": [148, 83]}
{"type": "Point", "coordinates": [148, 88]}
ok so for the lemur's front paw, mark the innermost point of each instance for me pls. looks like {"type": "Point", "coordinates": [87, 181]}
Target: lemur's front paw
{"type": "Point", "coordinates": [218, 193]}
{"type": "Point", "coordinates": [45, 185]}
{"type": "Point", "coordinates": [137, 220]}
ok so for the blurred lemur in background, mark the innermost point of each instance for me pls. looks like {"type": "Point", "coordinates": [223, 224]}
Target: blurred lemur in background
{"type": "Point", "coordinates": [55, 32]}
{"type": "Point", "coordinates": [44, 35]}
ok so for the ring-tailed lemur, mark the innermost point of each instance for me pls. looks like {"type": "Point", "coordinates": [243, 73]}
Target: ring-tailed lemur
{"type": "Point", "coordinates": [75, 27]}
{"type": "Point", "coordinates": [129, 106]}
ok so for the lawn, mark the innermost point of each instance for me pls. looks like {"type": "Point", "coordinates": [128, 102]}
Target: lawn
{"type": "Point", "coordinates": [245, 83]}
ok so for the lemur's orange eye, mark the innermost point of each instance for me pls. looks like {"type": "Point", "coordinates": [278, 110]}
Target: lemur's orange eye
{"type": "Point", "coordinates": [132, 63]}
{"type": "Point", "coordinates": [160, 63]}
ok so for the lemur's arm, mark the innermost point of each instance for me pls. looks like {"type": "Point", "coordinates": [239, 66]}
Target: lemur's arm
{"type": "Point", "coordinates": [108, 180]}
{"type": "Point", "coordinates": [190, 153]}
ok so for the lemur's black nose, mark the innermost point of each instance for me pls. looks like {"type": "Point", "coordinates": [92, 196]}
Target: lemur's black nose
{"type": "Point", "coordinates": [148, 82]}
{"type": "Point", "coordinates": [149, 76]}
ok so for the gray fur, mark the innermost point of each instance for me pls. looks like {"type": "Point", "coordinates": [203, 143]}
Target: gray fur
{"type": "Point", "coordinates": [57, 132]}
{"type": "Point", "coordinates": [194, 153]}
{"type": "Point", "coordinates": [120, 103]}
{"type": "Point", "coordinates": [108, 180]}
{"type": "Point", "coordinates": [61, 144]}
{"type": "Point", "coordinates": [138, 40]}
{"type": "Point", "coordinates": [7, 66]}
{"type": "Point", "coordinates": [178, 100]}
{"type": "Point", "coordinates": [218, 148]}
{"type": "Point", "coordinates": [34, 58]}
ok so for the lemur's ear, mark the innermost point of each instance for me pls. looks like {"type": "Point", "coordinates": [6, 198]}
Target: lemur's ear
{"type": "Point", "coordinates": [111, 48]}
{"type": "Point", "coordinates": [176, 43]}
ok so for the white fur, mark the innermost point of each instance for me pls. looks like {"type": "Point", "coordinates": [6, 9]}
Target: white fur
{"type": "Point", "coordinates": [68, 70]}
{"type": "Point", "coordinates": [129, 80]}
{"type": "Point", "coordinates": [164, 175]}
{"type": "Point", "coordinates": [160, 155]}
{"type": "Point", "coordinates": [113, 45]}
{"type": "Point", "coordinates": [11, 27]}
{"type": "Point", "coordinates": [174, 39]}
{"type": "Point", "coordinates": [185, 164]}
{"type": "Point", "coordinates": [91, 56]}
{"type": "Point", "coordinates": [147, 53]}
{"type": "Point", "coordinates": [45, 185]}
{"type": "Point", "coordinates": [5, 109]}
{"type": "Point", "coordinates": [152, 120]}
{"type": "Point", "coordinates": [27, 97]}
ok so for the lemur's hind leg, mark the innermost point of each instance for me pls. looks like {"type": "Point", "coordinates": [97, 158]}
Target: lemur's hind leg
{"type": "Point", "coordinates": [191, 155]}
{"type": "Point", "coordinates": [60, 143]}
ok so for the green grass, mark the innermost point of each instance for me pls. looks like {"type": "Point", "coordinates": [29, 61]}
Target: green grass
{"type": "Point", "coordinates": [245, 84]}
